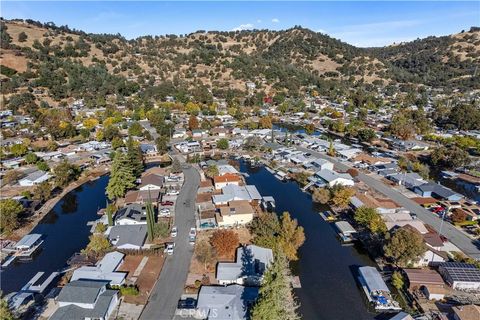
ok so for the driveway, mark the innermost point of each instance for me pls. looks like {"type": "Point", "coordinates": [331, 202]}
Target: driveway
{"type": "Point", "coordinates": [457, 237]}
{"type": "Point", "coordinates": [169, 287]}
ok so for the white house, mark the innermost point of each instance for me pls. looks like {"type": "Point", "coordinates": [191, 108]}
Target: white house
{"type": "Point", "coordinates": [333, 178]}
{"type": "Point", "coordinates": [238, 212]}
{"type": "Point", "coordinates": [251, 263]}
{"type": "Point", "coordinates": [104, 270]}
{"type": "Point", "coordinates": [34, 178]}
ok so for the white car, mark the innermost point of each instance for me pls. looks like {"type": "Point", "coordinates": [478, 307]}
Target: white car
{"type": "Point", "coordinates": [173, 193]}
{"type": "Point", "coordinates": [165, 212]}
{"type": "Point", "coordinates": [169, 248]}
{"type": "Point", "coordinates": [193, 232]}
{"type": "Point", "coordinates": [174, 232]}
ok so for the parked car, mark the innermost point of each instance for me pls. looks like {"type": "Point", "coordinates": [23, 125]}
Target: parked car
{"type": "Point", "coordinates": [188, 303]}
{"type": "Point", "coordinates": [173, 234]}
{"type": "Point", "coordinates": [164, 212]}
{"type": "Point", "coordinates": [173, 193]}
{"type": "Point", "coordinates": [167, 203]}
{"type": "Point", "coordinates": [169, 248]}
{"type": "Point", "coordinates": [193, 232]}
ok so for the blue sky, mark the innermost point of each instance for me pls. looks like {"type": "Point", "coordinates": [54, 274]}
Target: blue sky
{"type": "Point", "coordinates": [359, 23]}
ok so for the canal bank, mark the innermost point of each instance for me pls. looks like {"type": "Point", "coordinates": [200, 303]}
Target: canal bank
{"type": "Point", "coordinates": [65, 232]}
{"type": "Point", "coordinates": [327, 270]}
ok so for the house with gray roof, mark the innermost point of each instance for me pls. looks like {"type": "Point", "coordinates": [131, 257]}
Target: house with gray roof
{"type": "Point", "coordinates": [233, 192]}
{"type": "Point", "coordinates": [407, 179]}
{"type": "Point", "coordinates": [252, 261]}
{"type": "Point", "coordinates": [332, 178]}
{"type": "Point", "coordinates": [437, 190]}
{"type": "Point", "coordinates": [127, 236]}
{"type": "Point", "coordinates": [34, 178]}
{"type": "Point", "coordinates": [85, 299]}
{"type": "Point", "coordinates": [104, 270]}
{"type": "Point", "coordinates": [232, 302]}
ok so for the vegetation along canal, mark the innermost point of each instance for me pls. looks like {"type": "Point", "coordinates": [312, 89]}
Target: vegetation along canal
{"type": "Point", "coordinates": [327, 270]}
{"type": "Point", "coordinates": [65, 232]}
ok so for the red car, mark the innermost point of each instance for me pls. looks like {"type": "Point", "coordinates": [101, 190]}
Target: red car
{"type": "Point", "coordinates": [167, 203]}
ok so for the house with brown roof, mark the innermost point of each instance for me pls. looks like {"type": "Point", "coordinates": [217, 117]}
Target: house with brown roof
{"type": "Point", "coordinates": [225, 180]}
{"type": "Point", "coordinates": [468, 312]}
{"type": "Point", "coordinates": [151, 182]}
{"type": "Point", "coordinates": [237, 212]}
{"type": "Point", "coordinates": [429, 282]}
{"type": "Point", "coordinates": [142, 196]}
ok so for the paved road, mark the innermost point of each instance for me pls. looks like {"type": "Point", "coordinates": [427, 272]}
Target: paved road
{"type": "Point", "coordinates": [455, 236]}
{"type": "Point", "coordinates": [169, 287]}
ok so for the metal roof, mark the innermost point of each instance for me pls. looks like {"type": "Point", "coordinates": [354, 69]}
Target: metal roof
{"type": "Point", "coordinates": [373, 279]}
{"type": "Point", "coordinates": [28, 241]}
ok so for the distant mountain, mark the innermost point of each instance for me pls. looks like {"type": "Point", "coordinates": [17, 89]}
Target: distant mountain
{"type": "Point", "coordinates": [47, 56]}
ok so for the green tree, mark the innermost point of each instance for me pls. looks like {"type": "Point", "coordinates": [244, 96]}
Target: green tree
{"type": "Point", "coordinates": [222, 144]}
{"type": "Point", "coordinates": [117, 142]}
{"type": "Point", "coordinates": [110, 211]}
{"type": "Point", "coordinates": [97, 246]}
{"type": "Point", "coordinates": [397, 280]}
{"type": "Point", "coordinates": [331, 149]}
{"type": "Point", "coordinates": [22, 37]}
{"type": "Point", "coordinates": [370, 218]}
{"type": "Point", "coordinates": [281, 235]}
{"type": "Point", "coordinates": [135, 129]}
{"type": "Point", "coordinates": [42, 165]}
{"type": "Point", "coordinates": [121, 177]}
{"type": "Point", "coordinates": [341, 196]}
{"type": "Point", "coordinates": [366, 134]}
{"type": "Point", "coordinates": [292, 236]}
{"type": "Point", "coordinates": [135, 157]}
{"type": "Point", "coordinates": [150, 220]}
{"type": "Point", "coordinates": [276, 299]}
{"type": "Point", "coordinates": [18, 149]}
{"type": "Point", "coordinates": [211, 171]}
{"type": "Point", "coordinates": [162, 144]}
{"type": "Point", "coordinates": [450, 157]}
{"type": "Point", "coordinates": [10, 209]}
{"type": "Point", "coordinates": [405, 247]}
{"type": "Point", "coordinates": [5, 312]}
{"type": "Point", "coordinates": [31, 158]}
{"type": "Point", "coordinates": [42, 191]}
{"type": "Point", "coordinates": [65, 173]}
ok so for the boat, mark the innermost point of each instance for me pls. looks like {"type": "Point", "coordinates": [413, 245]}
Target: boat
{"type": "Point", "coordinates": [327, 216]}
{"type": "Point", "coordinates": [376, 290]}
{"type": "Point", "coordinates": [280, 175]}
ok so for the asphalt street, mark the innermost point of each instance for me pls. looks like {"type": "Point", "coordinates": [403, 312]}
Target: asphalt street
{"type": "Point", "coordinates": [169, 287]}
{"type": "Point", "coordinates": [457, 237]}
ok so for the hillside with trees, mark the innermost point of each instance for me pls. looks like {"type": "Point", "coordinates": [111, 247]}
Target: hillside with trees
{"type": "Point", "coordinates": [64, 63]}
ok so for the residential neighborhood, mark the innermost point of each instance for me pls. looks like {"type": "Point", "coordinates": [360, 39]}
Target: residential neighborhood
{"type": "Point", "coordinates": [257, 173]}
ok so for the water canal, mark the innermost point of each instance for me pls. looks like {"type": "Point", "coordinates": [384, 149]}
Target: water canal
{"type": "Point", "coordinates": [65, 232]}
{"type": "Point", "coordinates": [326, 268]}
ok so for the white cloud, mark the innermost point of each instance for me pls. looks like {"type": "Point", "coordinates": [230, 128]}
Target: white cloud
{"type": "Point", "coordinates": [259, 21]}
{"type": "Point", "coordinates": [246, 26]}
{"type": "Point", "coordinates": [321, 31]}
{"type": "Point", "coordinates": [275, 20]}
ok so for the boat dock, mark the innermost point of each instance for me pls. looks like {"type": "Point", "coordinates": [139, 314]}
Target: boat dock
{"type": "Point", "coordinates": [34, 287]}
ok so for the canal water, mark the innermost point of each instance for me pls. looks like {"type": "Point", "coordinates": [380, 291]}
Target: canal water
{"type": "Point", "coordinates": [327, 270]}
{"type": "Point", "coordinates": [65, 232]}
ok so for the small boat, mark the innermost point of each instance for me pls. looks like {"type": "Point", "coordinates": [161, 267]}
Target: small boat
{"type": "Point", "coordinates": [328, 216]}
